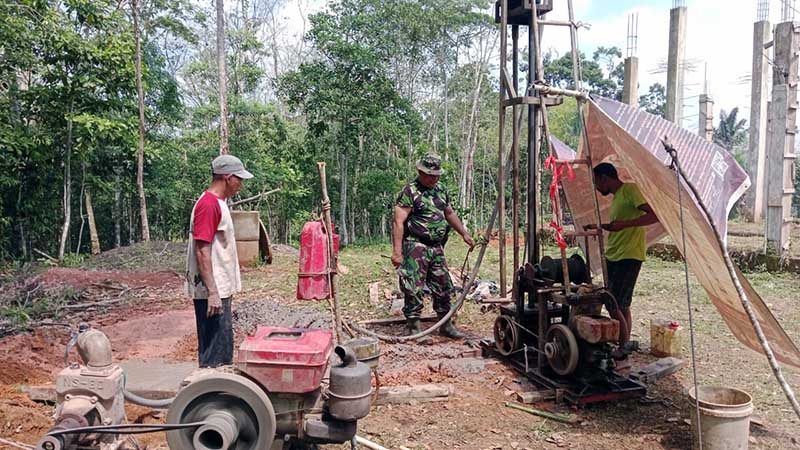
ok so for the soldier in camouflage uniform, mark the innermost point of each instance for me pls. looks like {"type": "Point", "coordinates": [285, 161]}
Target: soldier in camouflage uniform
{"type": "Point", "coordinates": [422, 219]}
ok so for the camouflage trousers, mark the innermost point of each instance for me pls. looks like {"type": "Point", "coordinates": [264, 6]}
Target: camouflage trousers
{"type": "Point", "coordinates": [424, 266]}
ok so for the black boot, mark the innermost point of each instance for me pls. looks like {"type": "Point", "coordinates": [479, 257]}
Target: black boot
{"type": "Point", "coordinates": [413, 326]}
{"type": "Point", "coordinates": [449, 330]}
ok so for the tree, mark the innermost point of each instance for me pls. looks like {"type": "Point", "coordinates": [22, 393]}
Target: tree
{"type": "Point", "coordinates": [602, 75]}
{"type": "Point", "coordinates": [731, 132]}
{"type": "Point", "coordinates": [140, 152]}
{"type": "Point", "coordinates": [223, 79]}
{"type": "Point", "coordinates": [655, 101]}
{"type": "Point", "coordinates": [351, 107]}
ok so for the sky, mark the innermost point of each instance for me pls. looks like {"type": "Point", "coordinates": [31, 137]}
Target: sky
{"type": "Point", "coordinates": [719, 43]}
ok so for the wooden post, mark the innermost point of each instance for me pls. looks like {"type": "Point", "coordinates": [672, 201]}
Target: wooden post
{"type": "Point", "coordinates": [332, 260]}
{"type": "Point", "coordinates": [501, 173]}
{"type": "Point", "coordinates": [515, 155]}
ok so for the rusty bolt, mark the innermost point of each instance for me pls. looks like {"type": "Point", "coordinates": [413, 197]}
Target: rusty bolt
{"type": "Point", "coordinates": [93, 399]}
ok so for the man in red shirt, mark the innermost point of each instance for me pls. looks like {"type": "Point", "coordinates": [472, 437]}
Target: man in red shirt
{"type": "Point", "coordinates": [212, 263]}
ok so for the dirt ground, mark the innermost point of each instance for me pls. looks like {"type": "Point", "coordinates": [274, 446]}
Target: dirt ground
{"type": "Point", "coordinates": [160, 325]}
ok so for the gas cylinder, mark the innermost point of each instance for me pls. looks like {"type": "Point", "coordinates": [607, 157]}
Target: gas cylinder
{"type": "Point", "coordinates": [312, 276]}
{"type": "Point", "coordinates": [350, 388]}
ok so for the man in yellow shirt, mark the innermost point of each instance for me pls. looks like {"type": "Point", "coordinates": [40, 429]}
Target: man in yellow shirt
{"type": "Point", "coordinates": [626, 246]}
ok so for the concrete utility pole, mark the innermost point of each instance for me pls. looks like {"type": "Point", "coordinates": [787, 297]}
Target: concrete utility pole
{"type": "Point", "coordinates": [780, 155]}
{"type": "Point", "coordinates": [759, 95]}
{"type": "Point", "coordinates": [675, 61]}
{"type": "Point", "coordinates": [705, 128]}
{"type": "Point", "coordinates": [630, 87]}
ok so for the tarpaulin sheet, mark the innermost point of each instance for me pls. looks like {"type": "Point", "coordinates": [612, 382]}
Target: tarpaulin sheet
{"type": "Point", "coordinates": [630, 139]}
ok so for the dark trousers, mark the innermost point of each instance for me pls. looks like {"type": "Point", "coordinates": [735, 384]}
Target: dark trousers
{"type": "Point", "coordinates": [622, 276]}
{"type": "Point", "coordinates": [214, 334]}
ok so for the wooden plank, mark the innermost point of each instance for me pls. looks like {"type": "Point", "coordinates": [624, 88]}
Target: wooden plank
{"type": "Point", "coordinates": [529, 397]}
{"type": "Point", "coordinates": [421, 393]}
{"type": "Point", "coordinates": [529, 100]}
{"type": "Point", "coordinates": [264, 246]}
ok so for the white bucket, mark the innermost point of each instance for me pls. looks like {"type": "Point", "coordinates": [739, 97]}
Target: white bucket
{"type": "Point", "coordinates": [724, 417]}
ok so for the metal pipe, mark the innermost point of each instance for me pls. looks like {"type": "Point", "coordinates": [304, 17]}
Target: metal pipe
{"type": "Point", "coordinates": [558, 23]}
{"type": "Point", "coordinates": [543, 111]}
{"type": "Point", "coordinates": [550, 90]}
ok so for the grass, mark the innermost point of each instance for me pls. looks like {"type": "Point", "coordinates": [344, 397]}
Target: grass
{"type": "Point", "coordinates": [660, 293]}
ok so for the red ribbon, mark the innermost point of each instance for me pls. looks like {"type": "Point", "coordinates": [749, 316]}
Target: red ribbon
{"type": "Point", "coordinates": [557, 169]}
{"type": "Point", "coordinates": [559, 234]}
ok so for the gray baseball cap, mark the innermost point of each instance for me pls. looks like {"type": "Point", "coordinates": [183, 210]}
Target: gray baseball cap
{"type": "Point", "coordinates": [229, 165]}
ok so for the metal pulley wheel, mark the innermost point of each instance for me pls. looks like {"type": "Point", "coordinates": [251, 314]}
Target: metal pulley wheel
{"type": "Point", "coordinates": [506, 336]}
{"type": "Point", "coordinates": [561, 349]}
{"type": "Point", "coordinates": [237, 412]}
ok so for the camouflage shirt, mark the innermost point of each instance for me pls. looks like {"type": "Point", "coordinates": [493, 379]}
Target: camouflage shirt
{"type": "Point", "coordinates": [426, 223]}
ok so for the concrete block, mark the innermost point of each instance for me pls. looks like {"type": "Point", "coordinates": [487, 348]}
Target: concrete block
{"type": "Point", "coordinates": [246, 225]}
{"type": "Point", "coordinates": [247, 251]}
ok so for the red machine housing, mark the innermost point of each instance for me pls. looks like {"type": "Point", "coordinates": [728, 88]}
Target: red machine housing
{"type": "Point", "coordinates": [312, 279]}
{"type": "Point", "coordinates": [286, 360]}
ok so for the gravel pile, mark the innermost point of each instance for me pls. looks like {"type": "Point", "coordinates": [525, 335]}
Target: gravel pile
{"type": "Point", "coordinates": [250, 314]}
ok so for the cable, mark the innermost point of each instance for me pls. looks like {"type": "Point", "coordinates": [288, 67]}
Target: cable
{"type": "Point", "coordinates": [674, 165]}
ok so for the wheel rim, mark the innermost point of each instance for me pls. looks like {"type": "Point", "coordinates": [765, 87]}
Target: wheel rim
{"type": "Point", "coordinates": [562, 349]}
{"type": "Point", "coordinates": [505, 336]}
{"type": "Point", "coordinates": [234, 394]}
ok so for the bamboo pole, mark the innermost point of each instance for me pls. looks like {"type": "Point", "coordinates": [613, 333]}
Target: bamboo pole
{"type": "Point", "coordinates": [332, 263]}
{"type": "Point", "coordinates": [746, 305]}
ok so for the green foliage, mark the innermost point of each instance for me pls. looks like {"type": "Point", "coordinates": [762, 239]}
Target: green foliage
{"type": "Point", "coordinates": [602, 75]}
{"type": "Point", "coordinates": [731, 132]}
{"type": "Point", "coordinates": [655, 101]}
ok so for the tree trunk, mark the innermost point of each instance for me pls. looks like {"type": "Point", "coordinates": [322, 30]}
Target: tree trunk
{"type": "Point", "coordinates": [117, 213]}
{"type": "Point", "coordinates": [131, 227]}
{"type": "Point", "coordinates": [67, 197]}
{"type": "Point", "coordinates": [21, 222]}
{"type": "Point", "coordinates": [92, 226]}
{"type": "Point", "coordinates": [343, 199]}
{"type": "Point", "coordinates": [446, 107]}
{"type": "Point", "coordinates": [223, 79]}
{"type": "Point", "coordinates": [140, 92]}
{"type": "Point", "coordinates": [80, 208]}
